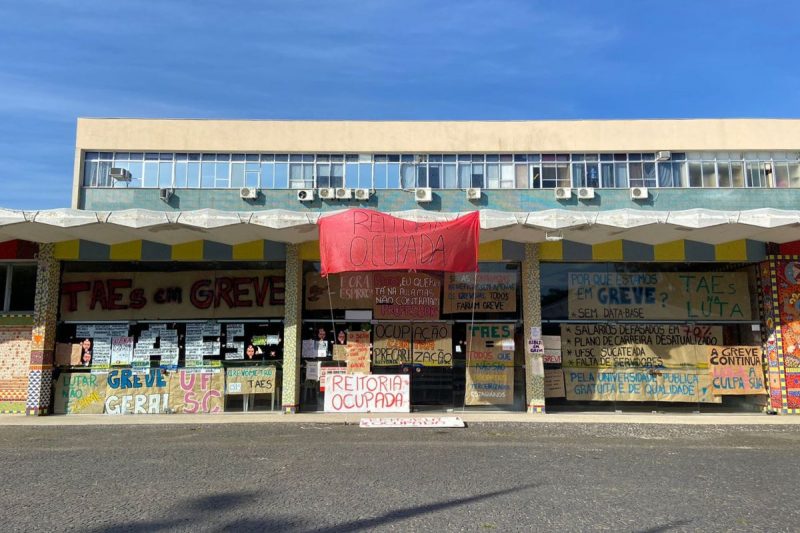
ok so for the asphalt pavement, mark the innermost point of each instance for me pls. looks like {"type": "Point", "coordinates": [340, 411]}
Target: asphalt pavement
{"type": "Point", "coordinates": [323, 477]}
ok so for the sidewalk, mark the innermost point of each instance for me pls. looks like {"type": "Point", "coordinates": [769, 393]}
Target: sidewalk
{"type": "Point", "coordinates": [745, 419]}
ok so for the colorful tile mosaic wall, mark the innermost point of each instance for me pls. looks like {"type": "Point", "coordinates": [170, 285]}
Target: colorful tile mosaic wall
{"type": "Point", "coordinates": [40, 373]}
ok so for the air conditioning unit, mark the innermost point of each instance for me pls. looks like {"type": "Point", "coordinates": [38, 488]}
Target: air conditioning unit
{"type": "Point", "coordinates": [305, 195]}
{"type": "Point", "coordinates": [165, 194]}
{"type": "Point", "coordinates": [343, 193]}
{"type": "Point", "coordinates": [474, 193]}
{"type": "Point", "coordinates": [120, 174]}
{"type": "Point", "coordinates": [663, 155]}
{"type": "Point", "coordinates": [562, 193]}
{"type": "Point", "coordinates": [586, 193]}
{"type": "Point", "coordinates": [248, 193]}
{"type": "Point", "coordinates": [639, 193]}
{"type": "Point", "coordinates": [362, 194]}
{"type": "Point", "coordinates": [423, 194]}
{"type": "Point", "coordinates": [327, 193]}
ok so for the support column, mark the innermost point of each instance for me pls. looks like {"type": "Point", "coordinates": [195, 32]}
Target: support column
{"type": "Point", "coordinates": [292, 326]}
{"type": "Point", "coordinates": [532, 317]}
{"type": "Point", "coordinates": [45, 315]}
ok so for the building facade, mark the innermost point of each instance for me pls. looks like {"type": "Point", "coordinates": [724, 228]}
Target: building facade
{"type": "Point", "coordinates": [622, 265]}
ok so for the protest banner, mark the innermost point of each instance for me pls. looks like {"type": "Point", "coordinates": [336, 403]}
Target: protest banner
{"type": "Point", "coordinates": [392, 344]}
{"type": "Point", "coordinates": [324, 370]}
{"type": "Point", "coordinates": [554, 383]}
{"type": "Point", "coordinates": [358, 352]}
{"type": "Point", "coordinates": [490, 365]}
{"type": "Point", "coordinates": [197, 391]}
{"type": "Point", "coordinates": [250, 380]}
{"type": "Point", "coordinates": [495, 292]}
{"type": "Point", "coordinates": [552, 349]}
{"type": "Point", "coordinates": [433, 345]}
{"type": "Point", "coordinates": [322, 294]}
{"type": "Point", "coordinates": [665, 385]}
{"type": "Point", "coordinates": [368, 240]}
{"type": "Point", "coordinates": [736, 369]}
{"type": "Point", "coordinates": [79, 393]}
{"type": "Point", "coordinates": [658, 295]}
{"type": "Point", "coordinates": [406, 296]}
{"type": "Point", "coordinates": [130, 393]}
{"type": "Point", "coordinates": [383, 393]}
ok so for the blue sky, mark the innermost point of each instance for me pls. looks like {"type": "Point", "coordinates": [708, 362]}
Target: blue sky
{"type": "Point", "coordinates": [366, 59]}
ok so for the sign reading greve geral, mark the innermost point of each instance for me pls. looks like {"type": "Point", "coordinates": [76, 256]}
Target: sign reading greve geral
{"type": "Point", "coordinates": [171, 295]}
{"type": "Point", "coordinates": [363, 239]}
{"type": "Point", "coordinates": [659, 295]}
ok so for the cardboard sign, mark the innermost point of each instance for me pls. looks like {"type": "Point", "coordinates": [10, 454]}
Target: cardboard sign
{"type": "Point", "coordinates": [643, 385]}
{"type": "Point", "coordinates": [489, 385]}
{"type": "Point", "coordinates": [433, 345]}
{"type": "Point", "coordinates": [79, 393]}
{"type": "Point", "coordinates": [356, 286]}
{"type": "Point", "coordinates": [736, 369]}
{"type": "Point", "coordinates": [406, 296]}
{"type": "Point", "coordinates": [172, 295]}
{"type": "Point", "coordinates": [658, 295]}
{"type": "Point", "coordinates": [340, 352]}
{"type": "Point", "coordinates": [67, 354]}
{"type": "Point", "coordinates": [554, 383]}
{"type": "Point", "coordinates": [636, 345]}
{"type": "Point", "coordinates": [495, 292]}
{"type": "Point", "coordinates": [364, 239]}
{"type": "Point", "coordinates": [552, 349]}
{"type": "Point", "coordinates": [358, 352]}
{"type": "Point", "coordinates": [382, 393]}
{"type": "Point", "coordinates": [392, 344]}
{"type": "Point", "coordinates": [250, 380]}
{"type": "Point", "coordinates": [197, 391]}
{"type": "Point", "coordinates": [131, 393]}
{"type": "Point", "coordinates": [318, 297]}
{"type": "Point", "coordinates": [490, 365]}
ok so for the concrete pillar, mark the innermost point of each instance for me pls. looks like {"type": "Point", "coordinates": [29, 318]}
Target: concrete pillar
{"type": "Point", "coordinates": [292, 328]}
{"type": "Point", "coordinates": [43, 336]}
{"type": "Point", "coordinates": [532, 317]}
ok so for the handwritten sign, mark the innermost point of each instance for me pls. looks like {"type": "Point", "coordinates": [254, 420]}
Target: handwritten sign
{"type": "Point", "coordinates": [490, 367]}
{"type": "Point", "coordinates": [382, 393]}
{"type": "Point", "coordinates": [495, 292]}
{"type": "Point", "coordinates": [121, 351]}
{"type": "Point", "coordinates": [406, 296]}
{"type": "Point", "coordinates": [197, 392]}
{"type": "Point", "coordinates": [658, 295]}
{"type": "Point", "coordinates": [392, 344]}
{"type": "Point", "coordinates": [554, 383]}
{"type": "Point", "coordinates": [364, 239]}
{"type": "Point", "coordinates": [355, 286]}
{"type": "Point", "coordinates": [636, 345]}
{"type": "Point", "coordinates": [131, 393]}
{"type": "Point", "coordinates": [433, 345]}
{"type": "Point", "coordinates": [552, 349]}
{"type": "Point", "coordinates": [322, 294]}
{"type": "Point", "coordinates": [324, 370]}
{"type": "Point", "coordinates": [736, 369]}
{"type": "Point", "coordinates": [79, 393]}
{"type": "Point", "coordinates": [678, 385]}
{"type": "Point", "coordinates": [172, 295]}
{"type": "Point", "coordinates": [250, 380]}
{"type": "Point", "coordinates": [358, 352]}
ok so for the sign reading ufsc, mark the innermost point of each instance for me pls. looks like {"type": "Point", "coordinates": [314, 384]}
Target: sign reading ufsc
{"type": "Point", "coordinates": [172, 295]}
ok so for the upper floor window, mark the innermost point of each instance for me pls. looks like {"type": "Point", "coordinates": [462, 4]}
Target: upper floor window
{"type": "Point", "coordinates": [17, 287]}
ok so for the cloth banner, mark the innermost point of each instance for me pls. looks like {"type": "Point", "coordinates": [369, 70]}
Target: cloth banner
{"type": "Point", "coordinates": [363, 239]}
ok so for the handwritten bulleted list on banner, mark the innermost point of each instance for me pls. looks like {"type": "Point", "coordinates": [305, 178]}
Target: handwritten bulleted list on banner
{"type": "Point", "coordinates": [490, 365]}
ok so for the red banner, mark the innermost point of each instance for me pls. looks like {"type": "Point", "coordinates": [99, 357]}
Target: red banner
{"type": "Point", "coordinates": [363, 239]}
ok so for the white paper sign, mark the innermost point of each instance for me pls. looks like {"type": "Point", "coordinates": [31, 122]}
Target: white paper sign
{"type": "Point", "coordinates": [367, 393]}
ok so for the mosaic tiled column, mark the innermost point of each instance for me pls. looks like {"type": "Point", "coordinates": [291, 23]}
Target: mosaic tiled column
{"type": "Point", "coordinates": [45, 315]}
{"type": "Point", "coordinates": [291, 330]}
{"type": "Point", "coordinates": [532, 317]}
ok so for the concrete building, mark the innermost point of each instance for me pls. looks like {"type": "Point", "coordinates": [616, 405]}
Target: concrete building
{"type": "Point", "coordinates": [623, 265]}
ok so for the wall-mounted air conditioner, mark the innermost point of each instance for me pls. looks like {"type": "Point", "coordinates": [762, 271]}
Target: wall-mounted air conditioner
{"type": "Point", "coordinates": [343, 193]}
{"type": "Point", "coordinates": [362, 194]}
{"type": "Point", "coordinates": [305, 195]}
{"type": "Point", "coordinates": [327, 193]}
{"type": "Point", "coordinates": [663, 155]}
{"type": "Point", "coordinates": [120, 174]}
{"type": "Point", "coordinates": [586, 193]}
{"type": "Point", "coordinates": [562, 193]}
{"type": "Point", "coordinates": [639, 193]}
{"type": "Point", "coordinates": [474, 193]}
{"type": "Point", "coordinates": [248, 193]}
{"type": "Point", "coordinates": [423, 194]}
{"type": "Point", "coordinates": [165, 194]}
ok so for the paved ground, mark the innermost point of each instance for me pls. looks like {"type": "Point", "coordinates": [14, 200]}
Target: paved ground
{"type": "Point", "coordinates": [490, 476]}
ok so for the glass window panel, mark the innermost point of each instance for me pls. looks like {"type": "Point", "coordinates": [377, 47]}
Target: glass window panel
{"type": "Point", "coordinates": [506, 176]}
{"type": "Point", "coordinates": [165, 175]}
{"type": "Point", "coordinates": [103, 179]}
{"type": "Point", "coordinates": [237, 157]}
{"type": "Point", "coordinates": [492, 176]}
{"type": "Point", "coordinates": [435, 158]}
{"type": "Point", "coordinates": [365, 175]}
{"type": "Point", "coordinates": [3, 275]}
{"type": "Point", "coordinates": [649, 170]}
{"type": "Point", "coordinates": [181, 157]}
{"type": "Point", "coordinates": [394, 158]}
{"type": "Point", "coordinates": [121, 156]}
{"type": "Point", "coordinates": [450, 176]}
{"type": "Point", "coordinates": [606, 157]}
{"type": "Point", "coordinates": [506, 158]}
{"type": "Point", "coordinates": [563, 175]}
{"type": "Point", "coordinates": [268, 176]}
{"type": "Point", "coordinates": [794, 175]}
{"type": "Point", "coordinates": [548, 157]}
{"type": "Point", "coordinates": [351, 175]}
{"type": "Point", "coordinates": [192, 157]}
{"type": "Point", "coordinates": [281, 175]}
{"type": "Point", "coordinates": [536, 176]}
{"type": "Point", "coordinates": [724, 174]}
{"type": "Point", "coordinates": [449, 158]}
{"type": "Point", "coordinates": [477, 158]}
{"type": "Point", "coordinates": [477, 176]}
{"type": "Point", "coordinates": [578, 175]}
{"type": "Point", "coordinates": [207, 181]}
{"type": "Point", "coordinates": [180, 174]}
{"type": "Point", "coordinates": [592, 175]}
{"type": "Point", "coordinates": [737, 174]}
{"type": "Point", "coordinates": [282, 158]}
{"type": "Point", "coordinates": [351, 158]}
{"type": "Point", "coordinates": [308, 158]}
{"type": "Point", "coordinates": [534, 158]}
{"type": "Point", "coordinates": [780, 172]}
{"type": "Point", "coordinates": [308, 175]}
{"type": "Point", "coordinates": [407, 177]}
{"type": "Point", "coordinates": [251, 167]}
{"type": "Point", "coordinates": [378, 158]}
{"type": "Point", "coordinates": [521, 177]}
{"type": "Point", "coordinates": [23, 287]}
{"type": "Point", "coordinates": [151, 156]}
{"type": "Point", "coordinates": [621, 175]}
{"type": "Point", "coordinates": [607, 171]}
{"type": "Point", "coordinates": [223, 157]}
{"type": "Point", "coordinates": [323, 176]}
{"type": "Point", "coordinates": [549, 176]}
{"type": "Point", "coordinates": [435, 176]}
{"type": "Point", "coordinates": [464, 176]}
{"type": "Point", "coordinates": [166, 156]}
{"type": "Point", "coordinates": [393, 176]}
{"type": "Point", "coordinates": [520, 158]}
{"type": "Point", "coordinates": [665, 175]}
{"type": "Point", "coordinates": [135, 168]}
{"type": "Point", "coordinates": [295, 175]}
{"type": "Point", "coordinates": [91, 156]}
{"type": "Point", "coordinates": [89, 174]}
{"type": "Point", "coordinates": [492, 158]}
{"type": "Point", "coordinates": [222, 179]}
{"type": "Point", "coordinates": [106, 156]}
{"type": "Point", "coordinates": [150, 179]}
{"type": "Point", "coordinates": [251, 158]}
{"type": "Point", "coordinates": [709, 175]}
{"type": "Point", "coordinates": [577, 157]}
{"type": "Point", "coordinates": [422, 176]}
{"type": "Point", "coordinates": [695, 174]}
{"type": "Point", "coordinates": [237, 175]}
{"type": "Point", "coordinates": [337, 175]}
{"type": "Point", "coordinates": [193, 175]}
{"type": "Point", "coordinates": [636, 175]}
{"type": "Point", "coordinates": [251, 179]}
{"type": "Point", "coordinates": [380, 171]}
{"type": "Point", "coordinates": [337, 158]}
{"type": "Point", "coordinates": [464, 157]}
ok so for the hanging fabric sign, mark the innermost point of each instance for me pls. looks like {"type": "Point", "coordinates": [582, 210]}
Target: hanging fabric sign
{"type": "Point", "coordinates": [363, 239]}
